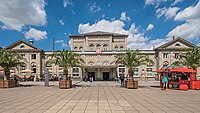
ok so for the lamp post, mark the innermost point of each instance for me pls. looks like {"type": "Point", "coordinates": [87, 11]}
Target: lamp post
{"type": "Point", "coordinates": [46, 78]}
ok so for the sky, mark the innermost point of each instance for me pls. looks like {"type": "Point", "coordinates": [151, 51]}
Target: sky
{"type": "Point", "coordinates": [147, 22]}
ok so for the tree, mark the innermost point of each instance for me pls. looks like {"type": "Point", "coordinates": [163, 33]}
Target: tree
{"type": "Point", "coordinates": [67, 59]}
{"type": "Point", "coordinates": [9, 59]}
{"type": "Point", "coordinates": [132, 59]}
{"type": "Point", "coordinates": [190, 58]}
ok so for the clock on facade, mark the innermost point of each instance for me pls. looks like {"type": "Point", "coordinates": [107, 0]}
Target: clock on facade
{"type": "Point", "coordinates": [98, 62]}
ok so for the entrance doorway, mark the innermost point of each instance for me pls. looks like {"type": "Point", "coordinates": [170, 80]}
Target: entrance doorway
{"type": "Point", "coordinates": [106, 75]}
{"type": "Point", "coordinates": [92, 74]}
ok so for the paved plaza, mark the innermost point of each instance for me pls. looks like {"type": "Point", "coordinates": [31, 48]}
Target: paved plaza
{"type": "Point", "coordinates": [97, 97]}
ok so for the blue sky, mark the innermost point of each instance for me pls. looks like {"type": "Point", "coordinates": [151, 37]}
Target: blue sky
{"type": "Point", "coordinates": [147, 22]}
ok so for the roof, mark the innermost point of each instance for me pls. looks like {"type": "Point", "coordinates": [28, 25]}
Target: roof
{"type": "Point", "coordinates": [19, 42]}
{"type": "Point", "coordinates": [98, 33]}
{"type": "Point", "coordinates": [189, 44]}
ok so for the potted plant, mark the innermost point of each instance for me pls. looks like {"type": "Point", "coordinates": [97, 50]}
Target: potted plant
{"type": "Point", "coordinates": [9, 59]}
{"type": "Point", "coordinates": [67, 59]}
{"type": "Point", "coordinates": [132, 59]}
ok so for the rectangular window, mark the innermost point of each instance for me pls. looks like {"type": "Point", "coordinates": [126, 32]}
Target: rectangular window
{"type": "Point", "coordinates": [176, 55]}
{"type": "Point", "coordinates": [75, 71]}
{"type": "Point", "coordinates": [22, 55]}
{"type": "Point", "coordinates": [33, 56]}
{"type": "Point", "coordinates": [136, 71]}
{"type": "Point", "coordinates": [49, 67]}
{"type": "Point", "coordinates": [149, 70]}
{"type": "Point", "coordinates": [165, 55]}
{"type": "Point", "coordinates": [121, 70]}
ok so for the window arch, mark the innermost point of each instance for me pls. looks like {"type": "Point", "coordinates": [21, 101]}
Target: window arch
{"type": "Point", "coordinates": [80, 48]}
{"type": "Point", "coordinates": [98, 46]}
{"type": "Point", "coordinates": [177, 44]}
{"type": "Point", "coordinates": [75, 48]}
{"type": "Point", "coordinates": [165, 63]}
{"type": "Point", "coordinates": [116, 47]}
{"type": "Point", "coordinates": [91, 47]}
{"type": "Point", "coordinates": [121, 47]}
{"type": "Point", "coordinates": [105, 47]}
{"type": "Point", "coordinates": [33, 67]}
{"type": "Point", "coordinates": [22, 46]}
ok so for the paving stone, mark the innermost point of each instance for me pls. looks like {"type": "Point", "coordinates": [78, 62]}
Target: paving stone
{"type": "Point", "coordinates": [97, 97]}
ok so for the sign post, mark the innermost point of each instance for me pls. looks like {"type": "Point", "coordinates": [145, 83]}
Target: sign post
{"type": "Point", "coordinates": [46, 78]}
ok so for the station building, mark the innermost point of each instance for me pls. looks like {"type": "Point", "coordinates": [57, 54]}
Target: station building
{"type": "Point", "coordinates": [98, 49]}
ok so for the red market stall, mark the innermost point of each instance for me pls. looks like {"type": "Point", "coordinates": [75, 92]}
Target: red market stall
{"type": "Point", "coordinates": [179, 77]}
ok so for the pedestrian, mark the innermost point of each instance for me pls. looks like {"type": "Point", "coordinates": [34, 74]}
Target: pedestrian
{"type": "Point", "coordinates": [85, 77]}
{"type": "Point", "coordinates": [122, 80]}
{"type": "Point", "coordinates": [164, 82]}
{"type": "Point", "coordinates": [91, 78]}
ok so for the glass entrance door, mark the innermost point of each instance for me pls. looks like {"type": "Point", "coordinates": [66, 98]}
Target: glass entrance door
{"type": "Point", "coordinates": [91, 74]}
{"type": "Point", "coordinates": [106, 76]}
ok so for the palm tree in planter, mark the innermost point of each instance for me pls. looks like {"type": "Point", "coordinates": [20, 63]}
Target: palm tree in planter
{"type": "Point", "coordinates": [66, 59]}
{"type": "Point", "coordinates": [132, 59]}
{"type": "Point", "coordinates": [9, 59]}
{"type": "Point", "coordinates": [190, 59]}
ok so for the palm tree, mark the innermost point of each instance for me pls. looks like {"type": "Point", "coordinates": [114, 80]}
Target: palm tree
{"type": "Point", "coordinates": [67, 59]}
{"type": "Point", "coordinates": [190, 58]}
{"type": "Point", "coordinates": [132, 59]}
{"type": "Point", "coordinates": [9, 59]}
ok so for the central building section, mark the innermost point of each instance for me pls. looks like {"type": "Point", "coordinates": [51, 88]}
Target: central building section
{"type": "Point", "coordinates": [98, 49]}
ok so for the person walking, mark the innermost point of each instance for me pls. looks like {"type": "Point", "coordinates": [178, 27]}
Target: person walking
{"type": "Point", "coordinates": [122, 80]}
{"type": "Point", "coordinates": [164, 82]}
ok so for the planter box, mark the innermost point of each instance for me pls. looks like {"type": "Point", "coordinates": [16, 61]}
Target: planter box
{"type": "Point", "coordinates": [7, 83]}
{"type": "Point", "coordinates": [65, 84]}
{"type": "Point", "coordinates": [130, 84]}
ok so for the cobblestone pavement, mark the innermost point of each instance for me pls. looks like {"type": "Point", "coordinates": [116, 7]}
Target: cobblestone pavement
{"type": "Point", "coordinates": [97, 97]}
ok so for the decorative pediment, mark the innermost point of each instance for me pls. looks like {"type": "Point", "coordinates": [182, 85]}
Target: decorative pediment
{"type": "Point", "coordinates": [177, 43]}
{"type": "Point", "coordinates": [22, 45]}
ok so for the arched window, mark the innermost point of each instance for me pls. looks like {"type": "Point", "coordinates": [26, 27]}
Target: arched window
{"type": "Point", "coordinates": [22, 46]}
{"type": "Point", "coordinates": [91, 47]}
{"type": "Point", "coordinates": [33, 67]}
{"type": "Point", "coordinates": [98, 46]}
{"type": "Point", "coordinates": [121, 47]}
{"type": "Point", "coordinates": [106, 63]}
{"type": "Point", "coordinates": [165, 63]}
{"type": "Point", "coordinates": [105, 47]}
{"type": "Point", "coordinates": [116, 47]}
{"type": "Point", "coordinates": [80, 48]}
{"type": "Point", "coordinates": [75, 48]}
{"type": "Point", "coordinates": [177, 44]}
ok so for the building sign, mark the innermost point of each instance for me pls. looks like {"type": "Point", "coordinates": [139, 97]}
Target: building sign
{"type": "Point", "coordinates": [98, 51]}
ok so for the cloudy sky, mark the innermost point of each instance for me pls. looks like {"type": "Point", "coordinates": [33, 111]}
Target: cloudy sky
{"type": "Point", "coordinates": [147, 22]}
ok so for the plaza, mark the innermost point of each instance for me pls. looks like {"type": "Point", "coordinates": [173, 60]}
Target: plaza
{"type": "Point", "coordinates": [97, 97]}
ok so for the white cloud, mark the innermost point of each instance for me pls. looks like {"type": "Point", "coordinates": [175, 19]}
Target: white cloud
{"type": "Point", "coordinates": [176, 1]}
{"type": "Point", "coordinates": [189, 13]}
{"type": "Point", "coordinates": [64, 45]}
{"type": "Point", "coordinates": [59, 41]}
{"type": "Point", "coordinates": [124, 17]}
{"type": "Point", "coordinates": [35, 34]}
{"type": "Point", "coordinates": [154, 2]}
{"type": "Point", "coordinates": [94, 7]}
{"type": "Point", "coordinates": [62, 22]}
{"type": "Point", "coordinates": [190, 29]}
{"type": "Point", "coordinates": [168, 13]}
{"type": "Point", "coordinates": [136, 39]}
{"type": "Point", "coordinates": [65, 3]}
{"type": "Point", "coordinates": [149, 27]}
{"type": "Point", "coordinates": [14, 14]}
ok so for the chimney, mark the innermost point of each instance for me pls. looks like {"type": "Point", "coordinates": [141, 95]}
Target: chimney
{"type": "Point", "coordinates": [31, 42]}
{"type": "Point", "coordinates": [173, 37]}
